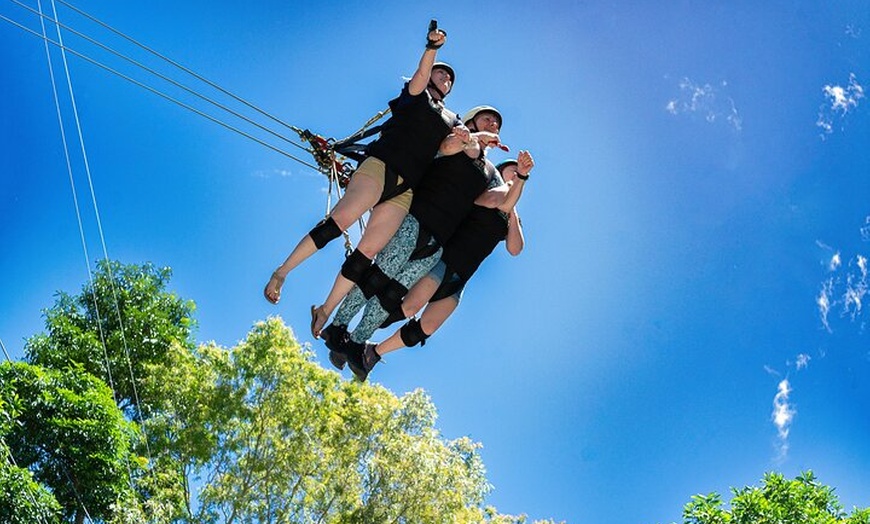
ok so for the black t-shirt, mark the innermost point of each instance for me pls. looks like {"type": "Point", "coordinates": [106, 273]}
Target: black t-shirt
{"type": "Point", "coordinates": [474, 240]}
{"type": "Point", "coordinates": [446, 193]}
{"type": "Point", "coordinates": [410, 139]}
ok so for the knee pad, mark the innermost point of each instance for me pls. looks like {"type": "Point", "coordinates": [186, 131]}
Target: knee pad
{"type": "Point", "coordinates": [324, 232]}
{"type": "Point", "coordinates": [373, 281]}
{"type": "Point", "coordinates": [391, 296]}
{"type": "Point", "coordinates": [412, 333]}
{"type": "Point", "coordinates": [355, 266]}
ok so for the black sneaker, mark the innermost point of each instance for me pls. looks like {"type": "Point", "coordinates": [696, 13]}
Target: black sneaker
{"type": "Point", "coordinates": [362, 358]}
{"type": "Point", "coordinates": [336, 338]}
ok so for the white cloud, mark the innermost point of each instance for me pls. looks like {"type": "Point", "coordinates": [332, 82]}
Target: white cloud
{"type": "Point", "coordinates": [823, 301]}
{"type": "Point", "coordinates": [264, 173]}
{"type": "Point", "coordinates": [771, 371]}
{"type": "Point", "coordinates": [839, 101]}
{"type": "Point", "coordinates": [783, 416]}
{"type": "Point", "coordinates": [835, 262]}
{"type": "Point", "coordinates": [706, 101]}
{"type": "Point", "coordinates": [803, 360]}
{"type": "Point", "coordinates": [865, 230]}
{"type": "Point", "coordinates": [856, 288]}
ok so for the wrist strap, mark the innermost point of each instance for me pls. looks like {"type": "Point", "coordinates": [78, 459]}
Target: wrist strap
{"type": "Point", "coordinates": [522, 177]}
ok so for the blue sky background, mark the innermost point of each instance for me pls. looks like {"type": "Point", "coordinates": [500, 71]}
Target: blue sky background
{"type": "Point", "coordinates": [687, 313]}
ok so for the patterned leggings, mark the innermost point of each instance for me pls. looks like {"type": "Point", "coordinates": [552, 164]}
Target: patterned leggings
{"type": "Point", "coordinates": [394, 262]}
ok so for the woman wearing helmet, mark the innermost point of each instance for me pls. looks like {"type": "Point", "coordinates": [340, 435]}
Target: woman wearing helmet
{"type": "Point", "coordinates": [396, 161]}
{"type": "Point", "coordinates": [442, 201]}
{"type": "Point", "coordinates": [441, 290]}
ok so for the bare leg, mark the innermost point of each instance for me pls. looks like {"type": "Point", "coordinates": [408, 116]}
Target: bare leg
{"type": "Point", "coordinates": [419, 295]}
{"type": "Point", "coordinates": [433, 318]}
{"type": "Point", "coordinates": [383, 224]}
{"type": "Point", "coordinates": [362, 193]}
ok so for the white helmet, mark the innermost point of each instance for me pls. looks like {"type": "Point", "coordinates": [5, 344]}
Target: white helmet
{"type": "Point", "coordinates": [473, 112]}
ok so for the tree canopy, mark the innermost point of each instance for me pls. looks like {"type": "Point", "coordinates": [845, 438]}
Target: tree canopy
{"type": "Point", "coordinates": [777, 501]}
{"type": "Point", "coordinates": [66, 428]}
{"type": "Point", "coordinates": [118, 415]}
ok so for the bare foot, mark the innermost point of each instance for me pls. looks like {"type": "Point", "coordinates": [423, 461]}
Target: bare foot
{"type": "Point", "coordinates": [318, 319]}
{"type": "Point", "coordinates": [272, 291]}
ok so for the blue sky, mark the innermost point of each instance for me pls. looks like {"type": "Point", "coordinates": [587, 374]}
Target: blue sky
{"type": "Point", "coordinates": [687, 313]}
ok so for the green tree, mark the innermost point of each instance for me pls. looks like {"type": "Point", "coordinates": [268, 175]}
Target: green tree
{"type": "Point", "coordinates": [802, 500]}
{"type": "Point", "coordinates": [263, 432]}
{"type": "Point", "coordinates": [125, 317]}
{"type": "Point", "coordinates": [22, 499]}
{"type": "Point", "coordinates": [66, 428]}
{"type": "Point", "coordinates": [279, 439]}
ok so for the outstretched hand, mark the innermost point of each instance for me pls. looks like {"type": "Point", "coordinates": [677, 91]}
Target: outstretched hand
{"type": "Point", "coordinates": [487, 139]}
{"type": "Point", "coordinates": [525, 163]}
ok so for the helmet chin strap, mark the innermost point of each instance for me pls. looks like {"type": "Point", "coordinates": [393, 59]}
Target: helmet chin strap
{"type": "Point", "coordinates": [441, 94]}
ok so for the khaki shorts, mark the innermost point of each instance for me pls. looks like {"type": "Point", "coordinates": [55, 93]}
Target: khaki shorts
{"type": "Point", "coordinates": [375, 169]}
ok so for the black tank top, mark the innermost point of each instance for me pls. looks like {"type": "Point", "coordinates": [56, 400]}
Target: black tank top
{"type": "Point", "coordinates": [446, 194]}
{"type": "Point", "coordinates": [410, 139]}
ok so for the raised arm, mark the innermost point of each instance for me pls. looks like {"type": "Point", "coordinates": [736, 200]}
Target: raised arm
{"type": "Point", "coordinates": [525, 163]}
{"type": "Point", "coordinates": [435, 39]}
{"type": "Point", "coordinates": [506, 196]}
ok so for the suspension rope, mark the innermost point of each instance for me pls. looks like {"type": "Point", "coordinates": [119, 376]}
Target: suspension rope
{"type": "Point", "coordinates": [2, 345]}
{"type": "Point", "coordinates": [99, 223]}
{"type": "Point", "coordinates": [159, 93]}
{"type": "Point", "coordinates": [178, 65]}
{"type": "Point", "coordinates": [161, 76]}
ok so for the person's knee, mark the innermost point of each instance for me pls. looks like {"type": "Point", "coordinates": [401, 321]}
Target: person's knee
{"type": "Point", "coordinates": [412, 333]}
{"type": "Point", "coordinates": [324, 232]}
{"type": "Point", "coordinates": [374, 281]}
{"type": "Point", "coordinates": [355, 266]}
{"type": "Point", "coordinates": [391, 295]}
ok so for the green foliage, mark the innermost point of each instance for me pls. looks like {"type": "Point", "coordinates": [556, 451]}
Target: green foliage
{"type": "Point", "coordinates": [263, 432]}
{"type": "Point", "coordinates": [281, 439]}
{"type": "Point", "coordinates": [778, 501]}
{"type": "Point", "coordinates": [126, 312]}
{"type": "Point", "coordinates": [66, 428]}
{"type": "Point", "coordinates": [22, 499]}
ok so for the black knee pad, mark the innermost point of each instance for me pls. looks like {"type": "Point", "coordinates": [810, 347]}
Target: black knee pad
{"type": "Point", "coordinates": [373, 281]}
{"type": "Point", "coordinates": [355, 266]}
{"type": "Point", "coordinates": [412, 333]}
{"type": "Point", "coordinates": [391, 295]}
{"type": "Point", "coordinates": [324, 232]}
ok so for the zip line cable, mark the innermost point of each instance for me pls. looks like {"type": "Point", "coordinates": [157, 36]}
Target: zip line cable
{"type": "Point", "coordinates": [161, 94]}
{"type": "Point", "coordinates": [161, 76]}
{"type": "Point", "coordinates": [2, 345]}
{"type": "Point", "coordinates": [81, 228]}
{"type": "Point", "coordinates": [99, 223]}
{"type": "Point", "coordinates": [178, 65]}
